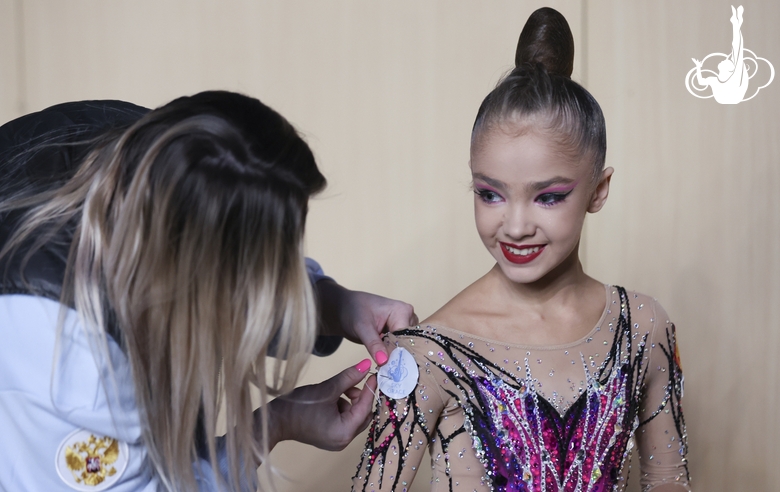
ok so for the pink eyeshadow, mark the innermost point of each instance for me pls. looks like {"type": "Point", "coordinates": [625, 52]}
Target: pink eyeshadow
{"type": "Point", "coordinates": [560, 189]}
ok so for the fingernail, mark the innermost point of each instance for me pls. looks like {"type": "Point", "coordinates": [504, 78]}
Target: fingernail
{"type": "Point", "coordinates": [364, 365]}
{"type": "Point", "coordinates": [381, 357]}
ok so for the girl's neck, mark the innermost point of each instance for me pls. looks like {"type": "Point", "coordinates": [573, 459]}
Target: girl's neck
{"type": "Point", "coordinates": [561, 307]}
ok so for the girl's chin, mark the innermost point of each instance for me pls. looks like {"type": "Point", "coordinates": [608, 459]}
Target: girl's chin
{"type": "Point", "coordinates": [541, 266]}
{"type": "Point", "coordinates": [534, 271]}
{"type": "Point", "coordinates": [525, 274]}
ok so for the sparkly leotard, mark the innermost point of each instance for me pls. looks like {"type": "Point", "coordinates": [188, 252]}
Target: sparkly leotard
{"type": "Point", "coordinates": [510, 418]}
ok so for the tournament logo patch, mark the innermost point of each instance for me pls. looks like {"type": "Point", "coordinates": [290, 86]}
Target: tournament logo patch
{"type": "Point", "coordinates": [399, 376]}
{"type": "Point", "coordinates": [88, 462]}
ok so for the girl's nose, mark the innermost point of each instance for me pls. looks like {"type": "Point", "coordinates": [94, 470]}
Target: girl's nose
{"type": "Point", "coordinates": [519, 223]}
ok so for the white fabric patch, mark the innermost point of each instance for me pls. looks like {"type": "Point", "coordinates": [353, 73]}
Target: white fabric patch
{"type": "Point", "coordinates": [399, 376]}
{"type": "Point", "coordinates": [90, 462]}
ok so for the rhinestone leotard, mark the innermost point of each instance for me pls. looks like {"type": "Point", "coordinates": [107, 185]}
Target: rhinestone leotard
{"type": "Point", "coordinates": [509, 418]}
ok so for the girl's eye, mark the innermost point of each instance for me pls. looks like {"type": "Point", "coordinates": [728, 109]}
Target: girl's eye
{"type": "Point", "coordinates": [488, 196]}
{"type": "Point", "coordinates": [548, 199]}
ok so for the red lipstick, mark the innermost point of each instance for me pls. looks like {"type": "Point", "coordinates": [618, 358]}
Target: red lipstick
{"type": "Point", "coordinates": [520, 259]}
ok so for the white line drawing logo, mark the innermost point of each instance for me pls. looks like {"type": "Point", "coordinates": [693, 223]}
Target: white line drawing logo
{"type": "Point", "coordinates": [735, 70]}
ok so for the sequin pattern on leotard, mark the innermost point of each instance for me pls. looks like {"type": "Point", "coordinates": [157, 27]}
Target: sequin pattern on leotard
{"type": "Point", "coordinates": [521, 440]}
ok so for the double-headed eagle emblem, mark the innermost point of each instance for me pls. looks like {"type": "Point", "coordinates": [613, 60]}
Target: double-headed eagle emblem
{"type": "Point", "coordinates": [91, 461]}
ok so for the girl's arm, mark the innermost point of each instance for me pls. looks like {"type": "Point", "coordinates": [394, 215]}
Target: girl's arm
{"type": "Point", "coordinates": [661, 434]}
{"type": "Point", "coordinates": [399, 434]}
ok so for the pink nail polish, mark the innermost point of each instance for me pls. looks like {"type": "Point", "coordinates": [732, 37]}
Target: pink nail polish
{"type": "Point", "coordinates": [364, 365]}
{"type": "Point", "coordinates": [381, 357]}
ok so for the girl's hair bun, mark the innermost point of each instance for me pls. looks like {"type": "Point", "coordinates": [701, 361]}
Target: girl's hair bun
{"type": "Point", "coordinates": [547, 40]}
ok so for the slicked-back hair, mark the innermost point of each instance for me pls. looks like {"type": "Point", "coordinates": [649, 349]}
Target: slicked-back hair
{"type": "Point", "coordinates": [539, 95]}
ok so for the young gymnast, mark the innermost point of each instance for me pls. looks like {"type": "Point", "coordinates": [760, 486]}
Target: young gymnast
{"type": "Point", "coordinates": [536, 377]}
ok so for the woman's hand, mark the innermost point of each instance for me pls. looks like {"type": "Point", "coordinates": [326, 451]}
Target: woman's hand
{"type": "Point", "coordinates": [318, 415]}
{"type": "Point", "coordinates": [361, 317]}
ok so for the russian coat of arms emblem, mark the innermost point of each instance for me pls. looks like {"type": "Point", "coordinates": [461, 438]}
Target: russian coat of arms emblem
{"type": "Point", "coordinates": [89, 462]}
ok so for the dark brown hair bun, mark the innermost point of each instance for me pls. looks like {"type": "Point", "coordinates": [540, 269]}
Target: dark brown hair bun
{"type": "Point", "coordinates": [546, 39]}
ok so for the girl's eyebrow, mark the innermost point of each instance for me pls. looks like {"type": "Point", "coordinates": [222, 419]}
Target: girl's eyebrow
{"type": "Point", "coordinates": [492, 182]}
{"type": "Point", "coordinates": [541, 185]}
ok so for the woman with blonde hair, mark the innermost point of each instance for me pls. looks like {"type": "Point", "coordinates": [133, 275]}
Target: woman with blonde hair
{"type": "Point", "coordinates": [150, 261]}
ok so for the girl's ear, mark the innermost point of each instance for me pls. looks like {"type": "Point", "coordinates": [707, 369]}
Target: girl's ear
{"type": "Point", "coordinates": [600, 194]}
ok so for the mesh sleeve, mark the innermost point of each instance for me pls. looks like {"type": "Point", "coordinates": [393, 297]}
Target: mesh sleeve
{"type": "Point", "coordinates": [399, 434]}
{"type": "Point", "coordinates": [661, 435]}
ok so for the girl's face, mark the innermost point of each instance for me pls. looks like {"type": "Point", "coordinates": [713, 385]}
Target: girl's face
{"type": "Point", "coordinates": [530, 202]}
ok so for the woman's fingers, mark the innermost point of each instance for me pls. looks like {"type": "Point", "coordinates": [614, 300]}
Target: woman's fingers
{"type": "Point", "coordinates": [319, 415]}
{"type": "Point", "coordinates": [343, 405]}
{"type": "Point", "coordinates": [344, 383]}
{"type": "Point", "coordinates": [373, 343]}
{"type": "Point", "coordinates": [401, 316]}
{"type": "Point", "coordinates": [397, 315]}
{"type": "Point", "coordinates": [361, 403]}
{"type": "Point", "coordinates": [358, 415]}
{"type": "Point", "coordinates": [352, 393]}
{"type": "Point", "coordinates": [349, 377]}
{"type": "Point", "coordinates": [364, 404]}
{"type": "Point", "coordinates": [369, 315]}
{"type": "Point", "coordinates": [354, 415]}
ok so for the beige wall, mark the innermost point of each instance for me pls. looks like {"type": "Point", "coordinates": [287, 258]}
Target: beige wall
{"type": "Point", "coordinates": [694, 218]}
{"type": "Point", "coordinates": [11, 55]}
{"type": "Point", "coordinates": [386, 93]}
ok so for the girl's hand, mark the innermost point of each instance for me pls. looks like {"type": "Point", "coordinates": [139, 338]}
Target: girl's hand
{"type": "Point", "coordinates": [318, 415]}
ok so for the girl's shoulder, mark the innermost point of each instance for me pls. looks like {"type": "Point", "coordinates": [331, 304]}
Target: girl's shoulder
{"type": "Point", "coordinates": [421, 339]}
{"type": "Point", "coordinates": [427, 349]}
{"type": "Point", "coordinates": [414, 339]}
{"type": "Point", "coordinates": [638, 305]}
{"type": "Point", "coordinates": [643, 313]}
{"type": "Point", "coordinates": [637, 313]}
{"type": "Point", "coordinates": [469, 307]}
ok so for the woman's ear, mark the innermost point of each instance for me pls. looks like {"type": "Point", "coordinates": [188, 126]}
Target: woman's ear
{"type": "Point", "coordinates": [600, 194]}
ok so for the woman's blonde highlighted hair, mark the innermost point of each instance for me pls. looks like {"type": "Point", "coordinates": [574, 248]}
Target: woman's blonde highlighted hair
{"type": "Point", "coordinates": [187, 245]}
